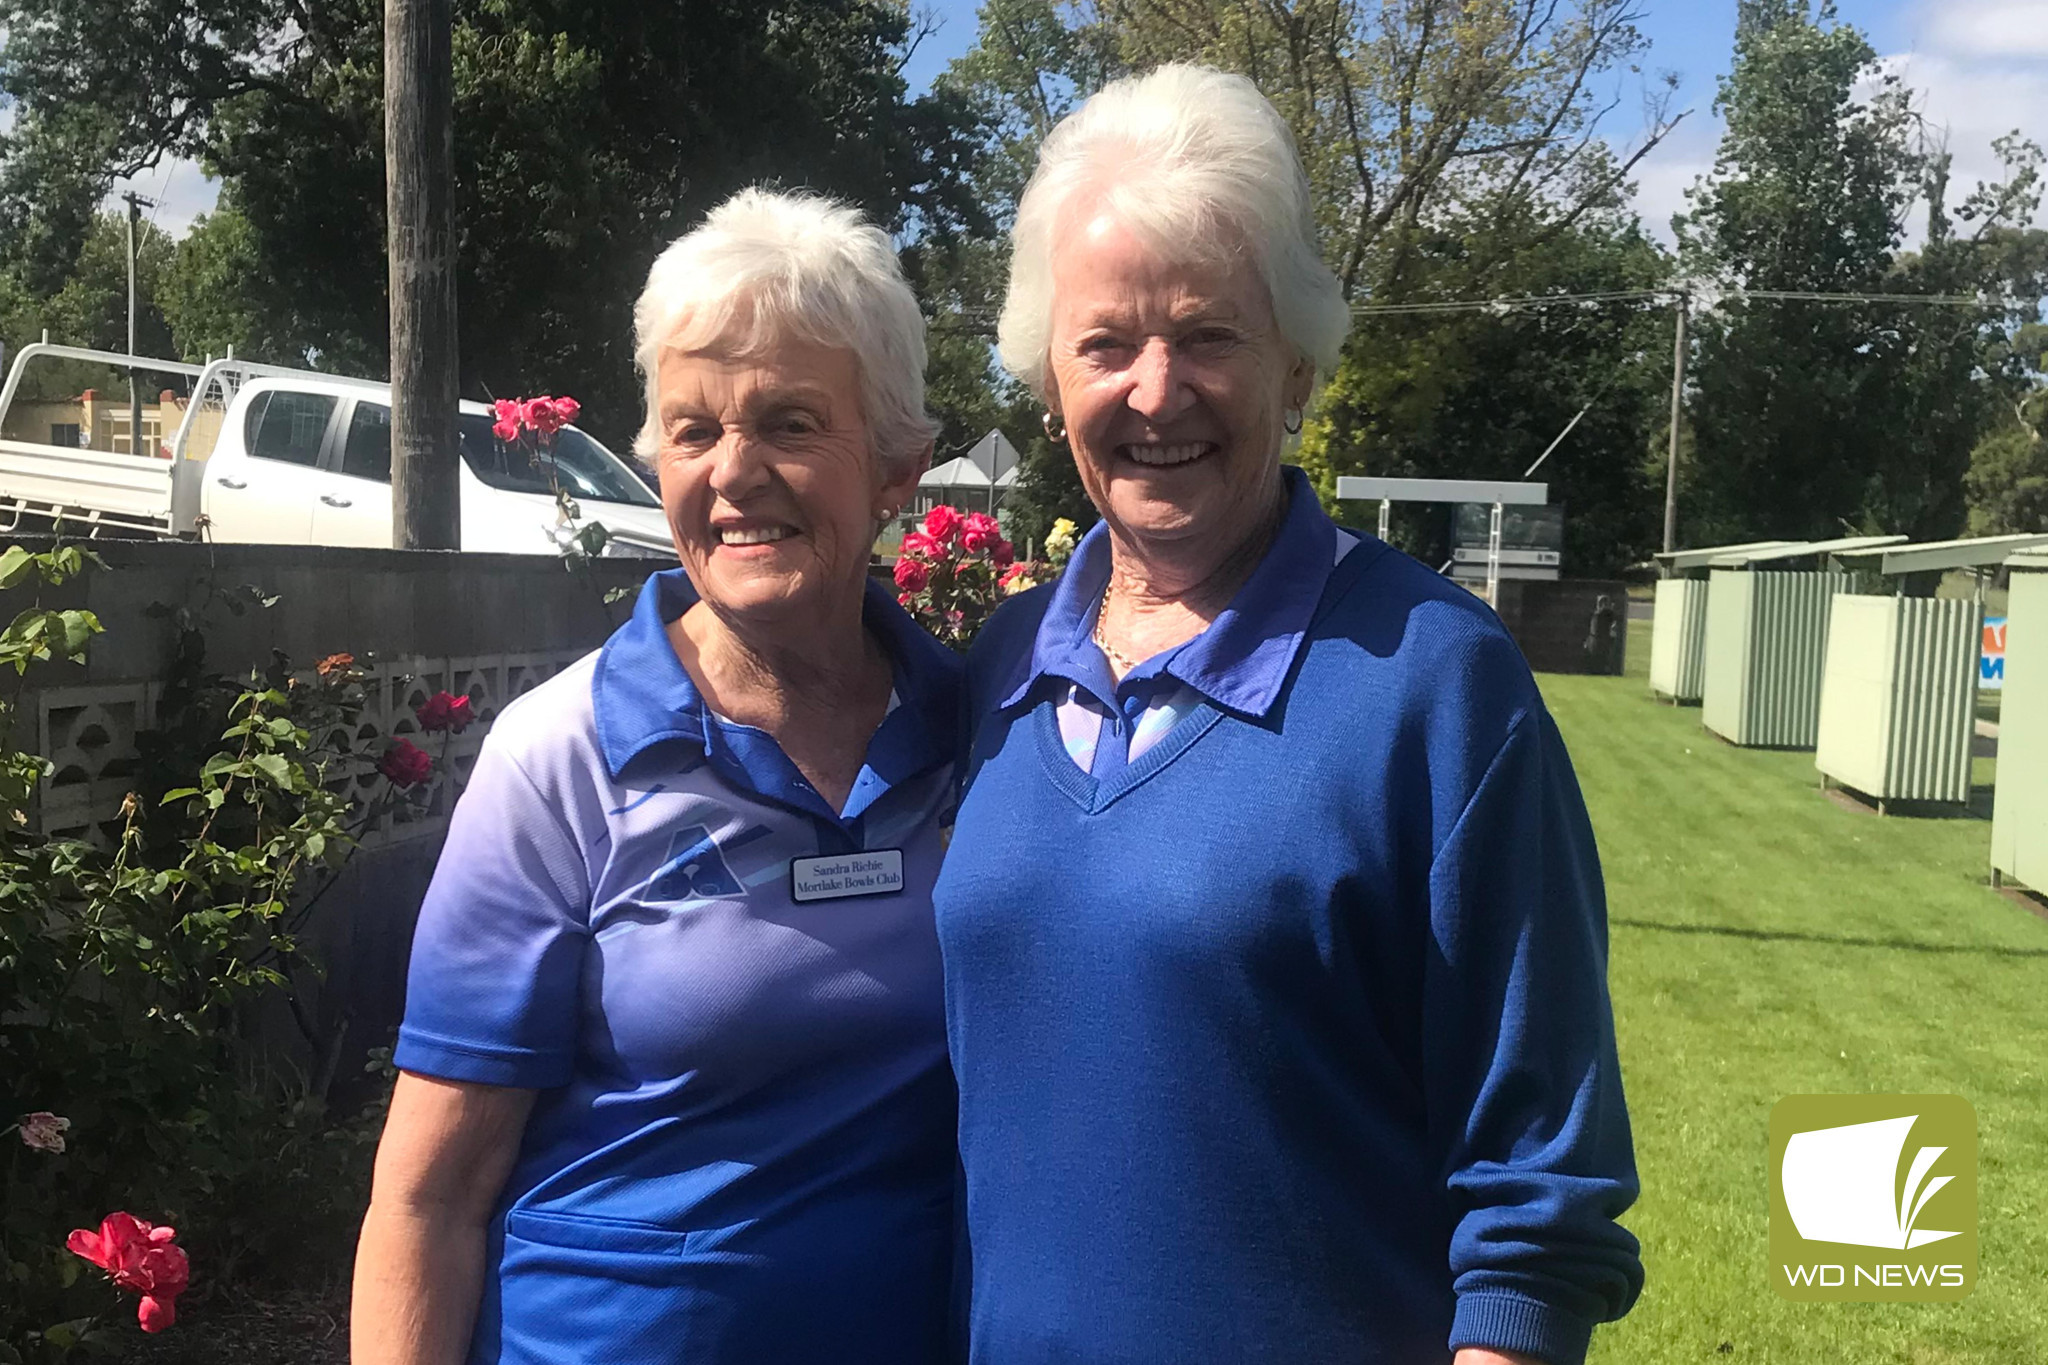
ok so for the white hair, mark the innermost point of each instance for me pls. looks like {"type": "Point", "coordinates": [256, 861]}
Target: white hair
{"type": "Point", "coordinates": [1198, 164]}
{"type": "Point", "coordinates": [768, 267]}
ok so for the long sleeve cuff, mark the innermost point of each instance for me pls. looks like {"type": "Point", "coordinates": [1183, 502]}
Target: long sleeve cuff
{"type": "Point", "coordinates": [1502, 1321]}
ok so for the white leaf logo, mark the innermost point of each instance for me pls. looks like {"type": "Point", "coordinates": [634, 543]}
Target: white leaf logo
{"type": "Point", "coordinates": [1839, 1185]}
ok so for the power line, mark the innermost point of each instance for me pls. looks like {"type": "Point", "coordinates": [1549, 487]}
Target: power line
{"type": "Point", "coordinates": [1522, 302]}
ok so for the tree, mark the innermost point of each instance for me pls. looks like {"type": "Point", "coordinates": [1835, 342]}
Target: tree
{"type": "Point", "coordinates": [1482, 394]}
{"type": "Point", "coordinates": [1815, 418]}
{"type": "Point", "coordinates": [587, 137]}
{"type": "Point", "coordinates": [2008, 478]}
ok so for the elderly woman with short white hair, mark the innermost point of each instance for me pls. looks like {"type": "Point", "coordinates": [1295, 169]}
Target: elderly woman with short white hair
{"type": "Point", "coordinates": [673, 1084]}
{"type": "Point", "coordinates": [1273, 925]}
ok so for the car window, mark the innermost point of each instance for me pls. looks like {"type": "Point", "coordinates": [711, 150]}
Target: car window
{"type": "Point", "coordinates": [367, 453]}
{"type": "Point", "coordinates": [283, 425]}
{"type": "Point", "coordinates": [585, 469]}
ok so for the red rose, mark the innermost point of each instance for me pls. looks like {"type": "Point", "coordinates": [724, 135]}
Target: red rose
{"type": "Point", "coordinates": [138, 1256]}
{"type": "Point", "coordinates": [444, 712]}
{"type": "Point", "coordinates": [542, 415]}
{"type": "Point", "coordinates": [506, 428]}
{"type": "Point", "coordinates": [567, 409]}
{"type": "Point", "coordinates": [980, 531]}
{"type": "Point", "coordinates": [904, 599]}
{"type": "Point", "coordinates": [1003, 553]}
{"type": "Point", "coordinates": [942, 524]}
{"type": "Point", "coordinates": [405, 764]}
{"type": "Point", "coordinates": [922, 546]}
{"type": "Point", "coordinates": [912, 575]}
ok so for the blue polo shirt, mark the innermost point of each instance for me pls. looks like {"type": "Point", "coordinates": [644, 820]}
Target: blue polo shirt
{"type": "Point", "coordinates": [742, 1150]}
{"type": "Point", "coordinates": [1282, 1034]}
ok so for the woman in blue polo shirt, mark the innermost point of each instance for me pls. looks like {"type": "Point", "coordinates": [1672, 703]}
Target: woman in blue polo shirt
{"type": "Point", "coordinates": [673, 1078]}
{"type": "Point", "coordinates": [1274, 938]}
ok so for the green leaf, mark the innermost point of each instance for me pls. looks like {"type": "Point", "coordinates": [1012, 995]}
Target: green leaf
{"type": "Point", "coordinates": [178, 794]}
{"type": "Point", "coordinates": [275, 767]}
{"type": "Point", "coordinates": [15, 565]}
{"type": "Point", "coordinates": [79, 627]}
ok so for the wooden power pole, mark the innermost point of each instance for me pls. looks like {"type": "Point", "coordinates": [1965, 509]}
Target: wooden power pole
{"type": "Point", "coordinates": [1677, 409]}
{"type": "Point", "coordinates": [135, 447]}
{"type": "Point", "coordinates": [419, 161]}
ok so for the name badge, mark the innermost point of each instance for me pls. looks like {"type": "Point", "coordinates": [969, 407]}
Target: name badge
{"type": "Point", "coordinates": [876, 872]}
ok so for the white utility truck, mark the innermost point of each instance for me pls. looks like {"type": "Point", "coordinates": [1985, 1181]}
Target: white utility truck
{"type": "Point", "coordinates": [292, 457]}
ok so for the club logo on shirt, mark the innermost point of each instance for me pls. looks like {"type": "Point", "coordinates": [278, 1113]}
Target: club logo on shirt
{"type": "Point", "coordinates": [694, 869]}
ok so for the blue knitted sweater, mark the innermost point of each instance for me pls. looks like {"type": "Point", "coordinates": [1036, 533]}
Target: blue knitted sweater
{"type": "Point", "coordinates": [1290, 1041]}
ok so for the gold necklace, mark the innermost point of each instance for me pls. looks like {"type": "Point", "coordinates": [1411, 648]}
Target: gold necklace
{"type": "Point", "coordinates": [1101, 637]}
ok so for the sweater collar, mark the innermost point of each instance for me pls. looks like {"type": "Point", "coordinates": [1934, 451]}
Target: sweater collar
{"type": "Point", "coordinates": [1242, 660]}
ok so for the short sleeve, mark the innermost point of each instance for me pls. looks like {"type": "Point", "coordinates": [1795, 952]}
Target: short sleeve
{"type": "Point", "coordinates": [491, 996]}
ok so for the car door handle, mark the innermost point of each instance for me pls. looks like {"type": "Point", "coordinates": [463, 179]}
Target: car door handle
{"type": "Point", "coordinates": [226, 482]}
{"type": "Point", "coordinates": [333, 501]}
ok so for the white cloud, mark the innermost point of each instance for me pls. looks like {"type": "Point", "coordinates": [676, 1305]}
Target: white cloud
{"type": "Point", "coordinates": [1970, 103]}
{"type": "Point", "coordinates": [1663, 177]}
{"type": "Point", "coordinates": [1998, 30]}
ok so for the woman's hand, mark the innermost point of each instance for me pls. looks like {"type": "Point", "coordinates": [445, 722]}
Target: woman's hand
{"type": "Point", "coordinates": [447, 1149]}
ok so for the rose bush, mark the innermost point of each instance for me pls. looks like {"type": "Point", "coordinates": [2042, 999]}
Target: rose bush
{"type": "Point", "coordinates": [949, 572]}
{"type": "Point", "coordinates": [133, 972]}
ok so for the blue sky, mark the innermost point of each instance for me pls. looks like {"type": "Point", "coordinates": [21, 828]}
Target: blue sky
{"type": "Point", "coordinates": [1981, 67]}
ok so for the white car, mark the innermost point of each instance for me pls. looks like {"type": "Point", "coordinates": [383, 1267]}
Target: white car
{"type": "Point", "coordinates": [293, 457]}
{"type": "Point", "coordinates": [304, 462]}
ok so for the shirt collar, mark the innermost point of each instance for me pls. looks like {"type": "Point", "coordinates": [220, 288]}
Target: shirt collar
{"type": "Point", "coordinates": [1241, 661]}
{"type": "Point", "coordinates": [643, 696]}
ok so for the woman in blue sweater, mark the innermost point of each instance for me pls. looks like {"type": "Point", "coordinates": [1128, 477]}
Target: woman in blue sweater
{"type": "Point", "coordinates": [1273, 928]}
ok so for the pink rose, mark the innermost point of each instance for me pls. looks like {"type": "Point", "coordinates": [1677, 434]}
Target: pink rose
{"type": "Point", "coordinates": [912, 575]}
{"type": "Point", "coordinates": [139, 1256]}
{"type": "Point", "coordinates": [444, 712]}
{"type": "Point", "coordinates": [405, 764]}
{"type": "Point", "coordinates": [922, 546]}
{"type": "Point", "coordinates": [506, 428]}
{"type": "Point", "coordinates": [943, 524]}
{"type": "Point", "coordinates": [43, 1131]}
{"type": "Point", "coordinates": [568, 409]}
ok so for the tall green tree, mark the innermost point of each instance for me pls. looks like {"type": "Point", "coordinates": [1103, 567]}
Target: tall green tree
{"type": "Point", "coordinates": [1483, 393]}
{"type": "Point", "coordinates": [1812, 418]}
{"type": "Point", "coordinates": [2008, 478]}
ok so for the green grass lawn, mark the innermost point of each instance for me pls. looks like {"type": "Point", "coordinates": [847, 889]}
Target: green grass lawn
{"type": "Point", "coordinates": [1767, 942]}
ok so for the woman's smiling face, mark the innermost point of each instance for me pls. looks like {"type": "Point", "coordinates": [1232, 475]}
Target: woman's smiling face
{"type": "Point", "coordinates": [768, 476]}
{"type": "Point", "coordinates": [1173, 380]}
